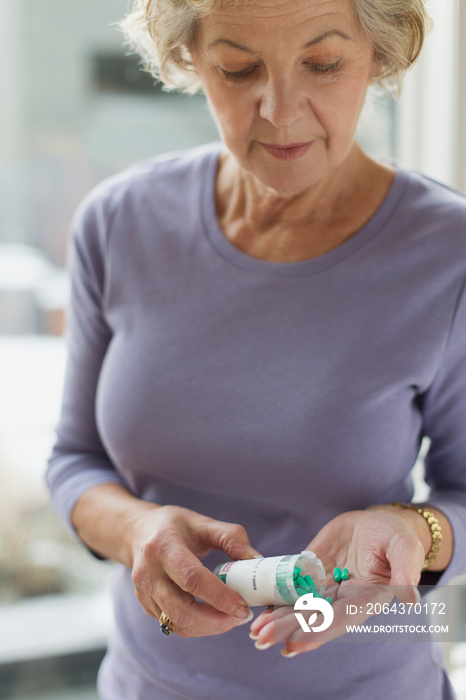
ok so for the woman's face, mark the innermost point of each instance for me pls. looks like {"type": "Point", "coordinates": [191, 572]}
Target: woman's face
{"type": "Point", "coordinates": [286, 82]}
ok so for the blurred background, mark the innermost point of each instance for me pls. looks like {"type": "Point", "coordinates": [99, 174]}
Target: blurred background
{"type": "Point", "coordinates": [74, 109]}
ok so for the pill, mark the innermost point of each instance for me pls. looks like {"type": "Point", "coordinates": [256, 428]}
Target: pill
{"type": "Point", "coordinates": [296, 571]}
{"type": "Point", "coordinates": [344, 574]}
{"type": "Point", "coordinates": [300, 591]}
{"type": "Point", "coordinates": [301, 587]}
{"type": "Point", "coordinates": [329, 599]}
{"type": "Point", "coordinates": [301, 580]}
{"type": "Point", "coordinates": [337, 574]}
{"type": "Point", "coordinates": [309, 580]}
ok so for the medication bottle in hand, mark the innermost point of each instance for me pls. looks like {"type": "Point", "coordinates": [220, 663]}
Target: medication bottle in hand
{"type": "Point", "coordinates": [274, 580]}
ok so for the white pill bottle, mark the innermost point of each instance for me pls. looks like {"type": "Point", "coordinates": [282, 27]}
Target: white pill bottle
{"type": "Point", "coordinates": [269, 580]}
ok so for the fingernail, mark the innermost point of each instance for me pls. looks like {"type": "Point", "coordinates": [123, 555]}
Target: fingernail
{"type": "Point", "coordinates": [290, 654]}
{"type": "Point", "coordinates": [246, 619]}
{"type": "Point", "coordinates": [260, 645]}
{"type": "Point", "coordinates": [243, 612]}
{"type": "Point", "coordinates": [253, 636]}
{"type": "Point", "coordinates": [417, 594]}
{"type": "Point", "coordinates": [253, 553]}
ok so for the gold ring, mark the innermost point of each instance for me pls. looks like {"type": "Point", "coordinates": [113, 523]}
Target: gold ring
{"type": "Point", "coordinates": [166, 625]}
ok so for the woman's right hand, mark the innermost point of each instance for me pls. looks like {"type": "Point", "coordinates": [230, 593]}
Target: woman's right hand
{"type": "Point", "coordinates": [167, 545]}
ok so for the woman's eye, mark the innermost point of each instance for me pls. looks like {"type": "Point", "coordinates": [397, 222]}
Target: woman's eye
{"type": "Point", "coordinates": [239, 74]}
{"type": "Point", "coordinates": [316, 68]}
{"type": "Point", "coordinates": [323, 68]}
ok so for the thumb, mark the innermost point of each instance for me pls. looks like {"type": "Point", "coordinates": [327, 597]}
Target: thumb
{"type": "Point", "coordinates": [233, 539]}
{"type": "Point", "coordinates": [405, 554]}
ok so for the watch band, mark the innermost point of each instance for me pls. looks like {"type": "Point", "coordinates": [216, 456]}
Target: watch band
{"type": "Point", "coordinates": [435, 529]}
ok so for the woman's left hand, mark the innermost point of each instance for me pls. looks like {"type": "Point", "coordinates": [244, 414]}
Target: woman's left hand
{"type": "Point", "coordinates": [384, 557]}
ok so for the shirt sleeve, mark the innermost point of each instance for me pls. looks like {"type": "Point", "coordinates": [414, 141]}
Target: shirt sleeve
{"type": "Point", "coordinates": [444, 411]}
{"type": "Point", "coordinates": [78, 461]}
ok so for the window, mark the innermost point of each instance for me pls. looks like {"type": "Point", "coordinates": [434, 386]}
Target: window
{"type": "Point", "coordinates": [432, 110]}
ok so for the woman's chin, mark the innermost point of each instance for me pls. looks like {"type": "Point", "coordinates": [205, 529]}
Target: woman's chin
{"type": "Point", "coordinates": [285, 185]}
{"type": "Point", "coordinates": [286, 178]}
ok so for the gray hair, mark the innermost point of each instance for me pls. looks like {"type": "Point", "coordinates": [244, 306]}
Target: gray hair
{"type": "Point", "coordinates": [161, 30]}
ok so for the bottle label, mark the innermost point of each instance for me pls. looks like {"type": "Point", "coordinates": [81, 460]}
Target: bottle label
{"type": "Point", "coordinates": [226, 568]}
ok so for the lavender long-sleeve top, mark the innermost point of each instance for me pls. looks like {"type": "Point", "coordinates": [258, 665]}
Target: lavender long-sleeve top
{"type": "Point", "coordinates": [275, 395]}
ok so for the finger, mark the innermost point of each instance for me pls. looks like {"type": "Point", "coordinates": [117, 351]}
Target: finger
{"type": "Point", "coordinates": [148, 604]}
{"type": "Point", "coordinates": [262, 619]}
{"type": "Point", "coordinates": [232, 539]}
{"type": "Point", "coordinates": [282, 626]}
{"type": "Point", "coordinates": [190, 618]}
{"type": "Point", "coordinates": [193, 618]}
{"type": "Point", "coordinates": [152, 592]}
{"type": "Point", "coordinates": [201, 620]}
{"type": "Point", "coordinates": [191, 576]}
{"type": "Point", "coordinates": [275, 613]}
{"type": "Point", "coordinates": [266, 617]}
{"type": "Point", "coordinates": [360, 596]}
{"type": "Point", "coordinates": [279, 629]}
{"type": "Point", "coordinates": [407, 594]}
{"type": "Point", "coordinates": [405, 554]}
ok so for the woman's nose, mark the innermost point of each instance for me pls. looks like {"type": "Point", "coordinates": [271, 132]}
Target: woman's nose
{"type": "Point", "coordinates": [282, 103]}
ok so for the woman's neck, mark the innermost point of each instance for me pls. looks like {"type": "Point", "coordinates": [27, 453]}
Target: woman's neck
{"type": "Point", "coordinates": [271, 226]}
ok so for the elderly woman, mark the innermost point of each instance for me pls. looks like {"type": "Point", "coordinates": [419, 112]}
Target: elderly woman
{"type": "Point", "coordinates": [261, 332]}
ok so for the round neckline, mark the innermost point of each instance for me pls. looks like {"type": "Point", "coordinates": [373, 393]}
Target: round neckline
{"type": "Point", "coordinates": [223, 247]}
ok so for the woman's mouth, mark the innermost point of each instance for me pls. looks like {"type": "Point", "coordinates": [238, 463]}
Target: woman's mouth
{"type": "Point", "coordinates": [291, 151]}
